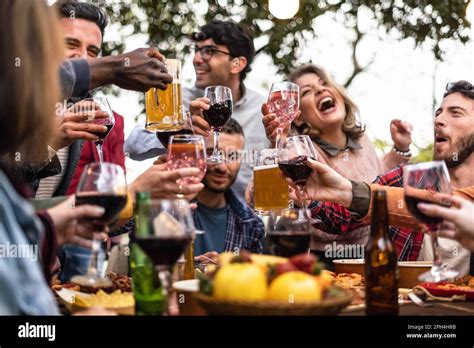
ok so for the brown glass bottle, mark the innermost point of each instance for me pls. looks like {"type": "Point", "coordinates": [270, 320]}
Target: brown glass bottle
{"type": "Point", "coordinates": [381, 274]}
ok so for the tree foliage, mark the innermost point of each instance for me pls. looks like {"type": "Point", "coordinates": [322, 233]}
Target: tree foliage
{"type": "Point", "coordinates": [168, 24]}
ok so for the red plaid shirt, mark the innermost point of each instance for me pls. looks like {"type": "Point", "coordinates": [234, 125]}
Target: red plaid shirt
{"type": "Point", "coordinates": [339, 220]}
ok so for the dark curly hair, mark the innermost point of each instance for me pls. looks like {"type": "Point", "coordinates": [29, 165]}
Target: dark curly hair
{"type": "Point", "coordinates": [82, 10]}
{"type": "Point", "coordinates": [464, 87]}
{"type": "Point", "coordinates": [238, 40]}
{"type": "Point", "coordinates": [233, 127]}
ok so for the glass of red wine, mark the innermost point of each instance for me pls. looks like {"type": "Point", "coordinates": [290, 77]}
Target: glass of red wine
{"type": "Point", "coordinates": [284, 102]}
{"type": "Point", "coordinates": [187, 151]}
{"type": "Point", "coordinates": [426, 183]}
{"type": "Point", "coordinates": [288, 232]}
{"type": "Point", "coordinates": [102, 185]}
{"type": "Point", "coordinates": [187, 129]}
{"type": "Point", "coordinates": [293, 158]}
{"type": "Point", "coordinates": [108, 122]}
{"type": "Point", "coordinates": [170, 231]}
{"type": "Point", "coordinates": [217, 116]}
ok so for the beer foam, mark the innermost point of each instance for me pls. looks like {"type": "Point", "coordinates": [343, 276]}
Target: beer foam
{"type": "Point", "coordinates": [268, 166]}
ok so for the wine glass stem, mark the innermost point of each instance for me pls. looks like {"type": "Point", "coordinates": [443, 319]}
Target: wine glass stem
{"type": "Point", "coordinates": [304, 201]}
{"type": "Point", "coordinates": [278, 140]}
{"type": "Point", "coordinates": [94, 263]}
{"type": "Point", "coordinates": [164, 275]}
{"type": "Point", "coordinates": [437, 260]}
{"type": "Point", "coordinates": [98, 146]}
{"type": "Point", "coordinates": [215, 151]}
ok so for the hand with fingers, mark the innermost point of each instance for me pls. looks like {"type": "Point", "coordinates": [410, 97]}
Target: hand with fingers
{"type": "Point", "coordinates": [458, 221]}
{"type": "Point", "coordinates": [200, 125]}
{"type": "Point", "coordinates": [271, 123]}
{"type": "Point", "coordinates": [73, 124]}
{"type": "Point", "coordinates": [401, 134]}
{"type": "Point", "coordinates": [138, 70]}
{"type": "Point", "coordinates": [73, 224]}
{"type": "Point", "coordinates": [162, 184]}
{"type": "Point", "coordinates": [324, 184]}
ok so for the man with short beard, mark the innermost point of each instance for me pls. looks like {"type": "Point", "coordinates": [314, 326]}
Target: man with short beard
{"type": "Point", "coordinates": [453, 143]}
{"type": "Point", "coordinates": [228, 223]}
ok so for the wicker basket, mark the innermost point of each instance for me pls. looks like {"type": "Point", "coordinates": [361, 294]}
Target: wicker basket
{"type": "Point", "coordinates": [329, 306]}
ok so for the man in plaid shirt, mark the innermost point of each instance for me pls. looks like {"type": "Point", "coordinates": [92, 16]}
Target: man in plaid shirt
{"type": "Point", "coordinates": [454, 143]}
{"type": "Point", "coordinates": [229, 224]}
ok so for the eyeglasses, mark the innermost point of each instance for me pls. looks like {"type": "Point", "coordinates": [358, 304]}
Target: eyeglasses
{"type": "Point", "coordinates": [208, 51]}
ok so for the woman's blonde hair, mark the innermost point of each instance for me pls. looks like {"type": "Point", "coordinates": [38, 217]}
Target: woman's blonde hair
{"type": "Point", "coordinates": [352, 126]}
{"type": "Point", "coordinates": [30, 54]}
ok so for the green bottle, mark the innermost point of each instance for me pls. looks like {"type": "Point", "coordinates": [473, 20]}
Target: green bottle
{"type": "Point", "coordinates": [149, 298]}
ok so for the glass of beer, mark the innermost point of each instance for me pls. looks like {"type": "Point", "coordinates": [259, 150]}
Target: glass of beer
{"type": "Point", "coordinates": [164, 108]}
{"type": "Point", "coordinates": [270, 189]}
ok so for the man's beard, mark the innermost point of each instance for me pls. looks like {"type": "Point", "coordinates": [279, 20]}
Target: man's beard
{"type": "Point", "coordinates": [459, 152]}
{"type": "Point", "coordinates": [208, 186]}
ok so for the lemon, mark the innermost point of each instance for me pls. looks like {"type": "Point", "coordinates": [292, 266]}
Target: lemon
{"type": "Point", "coordinates": [295, 287]}
{"type": "Point", "coordinates": [240, 282]}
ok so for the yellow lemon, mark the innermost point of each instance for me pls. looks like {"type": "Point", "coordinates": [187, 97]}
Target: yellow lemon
{"type": "Point", "coordinates": [240, 282]}
{"type": "Point", "coordinates": [295, 287]}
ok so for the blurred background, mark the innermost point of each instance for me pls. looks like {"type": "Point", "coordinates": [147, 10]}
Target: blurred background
{"type": "Point", "coordinates": [394, 56]}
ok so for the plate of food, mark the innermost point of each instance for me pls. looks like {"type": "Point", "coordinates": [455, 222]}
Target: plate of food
{"type": "Point", "coordinates": [249, 284]}
{"type": "Point", "coordinates": [463, 286]}
{"type": "Point", "coordinates": [117, 298]}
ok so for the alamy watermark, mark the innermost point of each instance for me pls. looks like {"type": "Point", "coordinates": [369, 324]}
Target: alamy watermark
{"type": "Point", "coordinates": [27, 251]}
{"type": "Point", "coordinates": [344, 251]}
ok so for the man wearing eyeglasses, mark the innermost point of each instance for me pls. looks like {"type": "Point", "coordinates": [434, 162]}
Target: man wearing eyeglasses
{"type": "Point", "coordinates": [223, 54]}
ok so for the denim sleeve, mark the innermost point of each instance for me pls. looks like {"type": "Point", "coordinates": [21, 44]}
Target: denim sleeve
{"type": "Point", "coordinates": [75, 78]}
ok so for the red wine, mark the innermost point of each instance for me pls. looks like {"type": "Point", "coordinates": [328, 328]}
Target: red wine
{"type": "Point", "coordinates": [164, 137]}
{"type": "Point", "coordinates": [431, 222]}
{"type": "Point", "coordinates": [218, 114]}
{"type": "Point", "coordinates": [296, 169]}
{"type": "Point", "coordinates": [163, 251]}
{"type": "Point", "coordinates": [289, 243]}
{"type": "Point", "coordinates": [103, 135]}
{"type": "Point", "coordinates": [112, 204]}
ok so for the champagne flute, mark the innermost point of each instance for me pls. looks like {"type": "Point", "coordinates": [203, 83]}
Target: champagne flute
{"type": "Point", "coordinates": [217, 116]}
{"type": "Point", "coordinates": [108, 122]}
{"type": "Point", "coordinates": [171, 229]}
{"type": "Point", "coordinates": [292, 161]}
{"type": "Point", "coordinates": [284, 101]}
{"type": "Point", "coordinates": [422, 182]}
{"type": "Point", "coordinates": [103, 185]}
{"type": "Point", "coordinates": [187, 151]}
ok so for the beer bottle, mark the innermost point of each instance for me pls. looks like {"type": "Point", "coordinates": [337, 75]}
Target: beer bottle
{"type": "Point", "coordinates": [381, 274]}
{"type": "Point", "coordinates": [149, 299]}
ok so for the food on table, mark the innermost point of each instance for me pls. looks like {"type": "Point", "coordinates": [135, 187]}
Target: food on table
{"type": "Point", "coordinates": [240, 281]}
{"type": "Point", "coordinates": [117, 299]}
{"type": "Point", "coordinates": [348, 280]}
{"type": "Point", "coordinates": [122, 283]}
{"type": "Point", "coordinates": [295, 287]}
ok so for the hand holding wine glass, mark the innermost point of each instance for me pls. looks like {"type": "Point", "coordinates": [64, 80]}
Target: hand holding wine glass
{"type": "Point", "coordinates": [284, 102]}
{"type": "Point", "coordinates": [422, 183]}
{"type": "Point", "coordinates": [217, 115]}
{"type": "Point", "coordinates": [103, 185]}
{"type": "Point", "coordinates": [293, 161]}
{"type": "Point", "coordinates": [107, 121]}
{"type": "Point", "coordinates": [187, 151]}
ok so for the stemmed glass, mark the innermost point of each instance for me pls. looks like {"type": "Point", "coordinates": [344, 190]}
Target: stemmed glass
{"type": "Point", "coordinates": [217, 116]}
{"type": "Point", "coordinates": [292, 161]}
{"type": "Point", "coordinates": [424, 182]}
{"type": "Point", "coordinates": [170, 231]}
{"type": "Point", "coordinates": [108, 122]}
{"type": "Point", "coordinates": [103, 185]}
{"type": "Point", "coordinates": [187, 151]}
{"type": "Point", "coordinates": [289, 232]}
{"type": "Point", "coordinates": [284, 101]}
{"type": "Point", "coordinates": [185, 127]}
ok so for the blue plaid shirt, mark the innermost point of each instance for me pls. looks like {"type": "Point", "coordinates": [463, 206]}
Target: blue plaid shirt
{"type": "Point", "coordinates": [244, 230]}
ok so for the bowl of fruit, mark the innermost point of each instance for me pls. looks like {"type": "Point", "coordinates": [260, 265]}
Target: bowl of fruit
{"type": "Point", "coordinates": [251, 284]}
